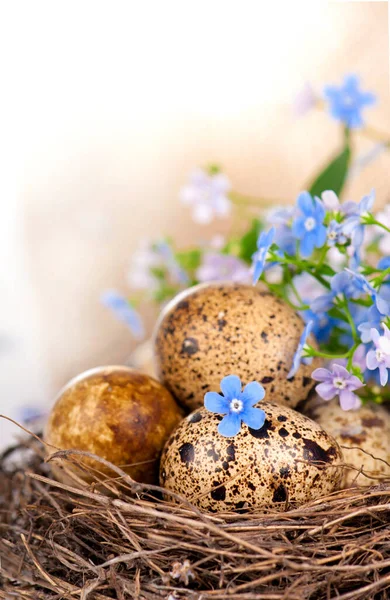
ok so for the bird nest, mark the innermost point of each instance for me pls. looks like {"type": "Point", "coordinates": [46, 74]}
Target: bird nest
{"type": "Point", "coordinates": [121, 539]}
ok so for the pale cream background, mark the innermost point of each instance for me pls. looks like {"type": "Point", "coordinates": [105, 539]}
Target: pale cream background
{"type": "Point", "coordinates": [109, 105]}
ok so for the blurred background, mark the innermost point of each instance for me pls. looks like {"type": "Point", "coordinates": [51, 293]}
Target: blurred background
{"type": "Point", "coordinates": [106, 109]}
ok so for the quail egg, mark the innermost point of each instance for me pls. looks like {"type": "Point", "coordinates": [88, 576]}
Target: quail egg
{"type": "Point", "coordinates": [363, 434]}
{"type": "Point", "coordinates": [215, 329]}
{"type": "Point", "coordinates": [291, 459]}
{"type": "Point", "coordinates": [118, 414]}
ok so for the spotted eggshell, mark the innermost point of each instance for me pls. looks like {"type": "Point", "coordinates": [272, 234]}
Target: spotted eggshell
{"type": "Point", "coordinates": [364, 436]}
{"type": "Point", "coordinates": [118, 414]}
{"type": "Point", "coordinates": [213, 330]}
{"type": "Point", "coordinates": [291, 459]}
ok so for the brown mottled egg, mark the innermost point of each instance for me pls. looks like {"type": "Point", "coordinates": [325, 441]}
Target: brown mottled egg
{"type": "Point", "coordinates": [364, 436]}
{"type": "Point", "coordinates": [213, 330]}
{"type": "Point", "coordinates": [291, 459]}
{"type": "Point", "coordinates": [118, 414]}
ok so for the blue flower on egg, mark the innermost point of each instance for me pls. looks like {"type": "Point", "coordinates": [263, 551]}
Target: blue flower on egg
{"type": "Point", "coordinates": [236, 405]}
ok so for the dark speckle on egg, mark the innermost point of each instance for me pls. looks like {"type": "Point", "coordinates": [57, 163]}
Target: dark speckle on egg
{"type": "Point", "coordinates": [213, 330]}
{"type": "Point", "coordinates": [274, 467]}
{"type": "Point", "coordinates": [187, 453]}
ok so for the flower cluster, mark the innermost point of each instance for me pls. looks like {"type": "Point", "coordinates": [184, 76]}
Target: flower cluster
{"type": "Point", "coordinates": [348, 310]}
{"type": "Point", "coordinates": [330, 260]}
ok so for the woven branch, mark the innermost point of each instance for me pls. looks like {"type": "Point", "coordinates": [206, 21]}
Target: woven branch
{"type": "Point", "coordinates": [121, 539]}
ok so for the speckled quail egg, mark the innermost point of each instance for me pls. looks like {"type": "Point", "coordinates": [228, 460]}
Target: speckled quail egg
{"type": "Point", "coordinates": [215, 329]}
{"type": "Point", "coordinates": [118, 414]}
{"type": "Point", "coordinates": [364, 436]}
{"type": "Point", "coordinates": [291, 459]}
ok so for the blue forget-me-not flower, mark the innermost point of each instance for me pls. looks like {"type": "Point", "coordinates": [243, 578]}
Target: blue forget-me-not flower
{"type": "Point", "coordinates": [236, 405]}
{"type": "Point", "coordinates": [308, 226]}
{"type": "Point", "coordinates": [347, 101]}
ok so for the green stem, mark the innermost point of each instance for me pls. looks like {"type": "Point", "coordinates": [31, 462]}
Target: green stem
{"type": "Point", "coordinates": [377, 281]}
{"type": "Point", "coordinates": [351, 353]}
{"type": "Point", "coordinates": [303, 266]}
{"type": "Point", "coordinates": [350, 320]}
{"type": "Point", "coordinates": [319, 278]}
{"type": "Point", "coordinates": [314, 352]}
{"type": "Point", "coordinates": [322, 256]}
{"type": "Point", "coordinates": [375, 222]}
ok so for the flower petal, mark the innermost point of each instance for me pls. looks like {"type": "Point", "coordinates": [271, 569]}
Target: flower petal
{"type": "Point", "coordinates": [298, 228]}
{"type": "Point", "coordinates": [383, 373]}
{"type": "Point", "coordinates": [305, 203]}
{"type": "Point", "coordinates": [330, 200]}
{"type": "Point", "coordinates": [375, 335]}
{"type": "Point", "coordinates": [231, 387]}
{"type": "Point", "coordinates": [258, 270]}
{"type": "Point", "coordinates": [340, 371]}
{"type": "Point", "coordinates": [321, 374]}
{"type": "Point", "coordinates": [350, 224]}
{"type": "Point", "coordinates": [371, 360]}
{"type": "Point", "coordinates": [327, 391]}
{"type": "Point", "coordinates": [354, 383]}
{"type": "Point", "coordinates": [230, 425]}
{"type": "Point", "coordinates": [308, 244]}
{"type": "Point", "coordinates": [321, 235]}
{"type": "Point", "coordinates": [322, 303]}
{"type": "Point", "coordinates": [253, 392]}
{"type": "Point", "coordinates": [340, 281]}
{"type": "Point", "coordinates": [253, 417]}
{"type": "Point", "coordinates": [348, 400]}
{"type": "Point", "coordinates": [382, 305]}
{"type": "Point", "coordinates": [216, 403]}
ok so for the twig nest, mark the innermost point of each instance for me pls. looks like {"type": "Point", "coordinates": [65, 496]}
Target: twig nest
{"type": "Point", "coordinates": [291, 459]}
{"type": "Point", "coordinates": [118, 414]}
{"type": "Point", "coordinates": [215, 329]}
{"type": "Point", "coordinates": [364, 436]}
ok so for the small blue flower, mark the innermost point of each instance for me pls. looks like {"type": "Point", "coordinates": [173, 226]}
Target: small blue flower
{"type": "Point", "coordinates": [308, 227]}
{"type": "Point", "coordinates": [364, 286]}
{"type": "Point", "coordinates": [264, 243]}
{"type": "Point", "coordinates": [347, 101]}
{"type": "Point", "coordinates": [341, 285]}
{"type": "Point", "coordinates": [354, 226]}
{"type": "Point", "coordinates": [297, 359]}
{"type": "Point", "coordinates": [335, 234]}
{"type": "Point", "coordinates": [237, 405]}
{"type": "Point", "coordinates": [124, 312]}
